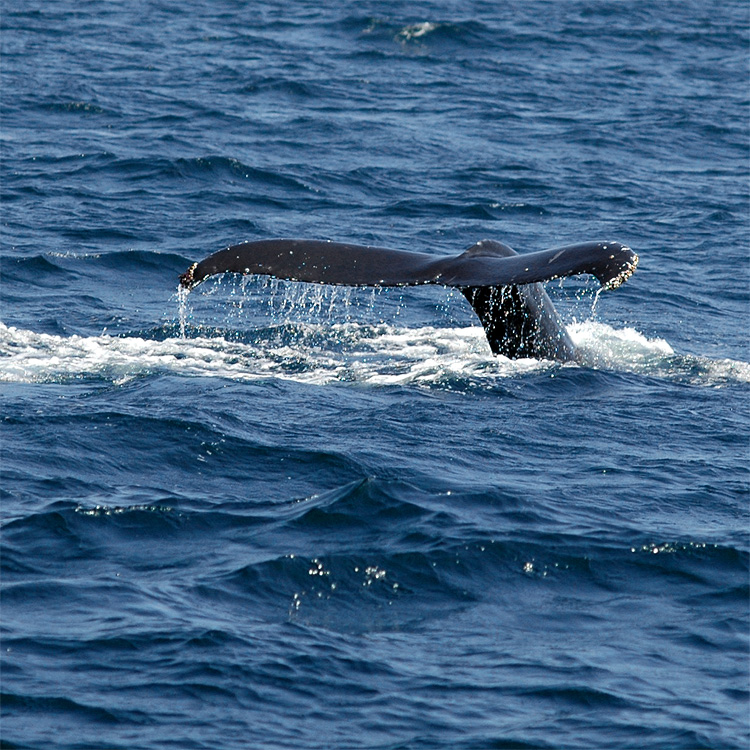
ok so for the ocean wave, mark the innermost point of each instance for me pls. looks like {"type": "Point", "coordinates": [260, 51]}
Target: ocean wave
{"type": "Point", "coordinates": [368, 555]}
{"type": "Point", "coordinates": [486, 209]}
{"type": "Point", "coordinates": [128, 169]}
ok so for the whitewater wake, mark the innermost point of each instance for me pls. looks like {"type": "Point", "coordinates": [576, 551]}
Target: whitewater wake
{"type": "Point", "coordinates": [350, 352]}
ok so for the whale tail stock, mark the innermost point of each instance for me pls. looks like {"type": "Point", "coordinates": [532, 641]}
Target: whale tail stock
{"type": "Point", "coordinates": [503, 287]}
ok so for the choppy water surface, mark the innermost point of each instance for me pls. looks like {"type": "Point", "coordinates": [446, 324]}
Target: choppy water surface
{"type": "Point", "coordinates": [275, 515]}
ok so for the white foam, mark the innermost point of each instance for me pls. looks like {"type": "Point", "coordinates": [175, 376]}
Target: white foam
{"type": "Point", "coordinates": [29, 357]}
{"type": "Point", "coordinates": [350, 352]}
{"type": "Point", "coordinates": [627, 350]}
{"type": "Point", "coordinates": [417, 30]}
{"type": "Point", "coordinates": [604, 346]}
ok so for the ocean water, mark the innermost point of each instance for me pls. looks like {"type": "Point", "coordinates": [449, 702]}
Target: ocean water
{"type": "Point", "coordinates": [273, 515]}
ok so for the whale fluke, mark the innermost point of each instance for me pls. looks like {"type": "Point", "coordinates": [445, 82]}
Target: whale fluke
{"type": "Point", "coordinates": [503, 287]}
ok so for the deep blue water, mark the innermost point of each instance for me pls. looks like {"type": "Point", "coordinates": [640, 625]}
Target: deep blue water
{"type": "Point", "coordinates": [287, 516]}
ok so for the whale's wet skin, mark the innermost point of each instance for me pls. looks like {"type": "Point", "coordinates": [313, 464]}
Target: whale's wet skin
{"type": "Point", "coordinates": [503, 288]}
{"type": "Point", "coordinates": [271, 512]}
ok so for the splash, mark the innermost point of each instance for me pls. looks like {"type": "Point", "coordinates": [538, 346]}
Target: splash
{"type": "Point", "coordinates": [626, 350]}
{"type": "Point", "coordinates": [595, 300]}
{"type": "Point", "coordinates": [356, 353]}
{"type": "Point", "coordinates": [602, 345]}
{"type": "Point", "coordinates": [182, 295]}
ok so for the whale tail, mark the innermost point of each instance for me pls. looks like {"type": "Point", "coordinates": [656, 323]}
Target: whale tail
{"type": "Point", "coordinates": [503, 287]}
{"type": "Point", "coordinates": [518, 320]}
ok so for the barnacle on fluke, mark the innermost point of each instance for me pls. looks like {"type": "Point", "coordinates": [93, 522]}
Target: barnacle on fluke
{"type": "Point", "coordinates": [187, 279]}
{"type": "Point", "coordinates": [624, 274]}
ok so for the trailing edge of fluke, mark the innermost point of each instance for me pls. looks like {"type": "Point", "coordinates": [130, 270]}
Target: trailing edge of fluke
{"type": "Point", "coordinates": [503, 287]}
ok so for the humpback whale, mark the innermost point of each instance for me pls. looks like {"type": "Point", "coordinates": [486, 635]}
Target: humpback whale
{"type": "Point", "coordinates": [503, 287]}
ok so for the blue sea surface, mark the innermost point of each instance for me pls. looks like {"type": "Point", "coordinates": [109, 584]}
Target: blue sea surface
{"type": "Point", "coordinates": [274, 515]}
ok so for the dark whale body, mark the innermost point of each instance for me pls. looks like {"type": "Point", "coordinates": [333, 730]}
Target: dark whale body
{"type": "Point", "coordinates": [503, 287]}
